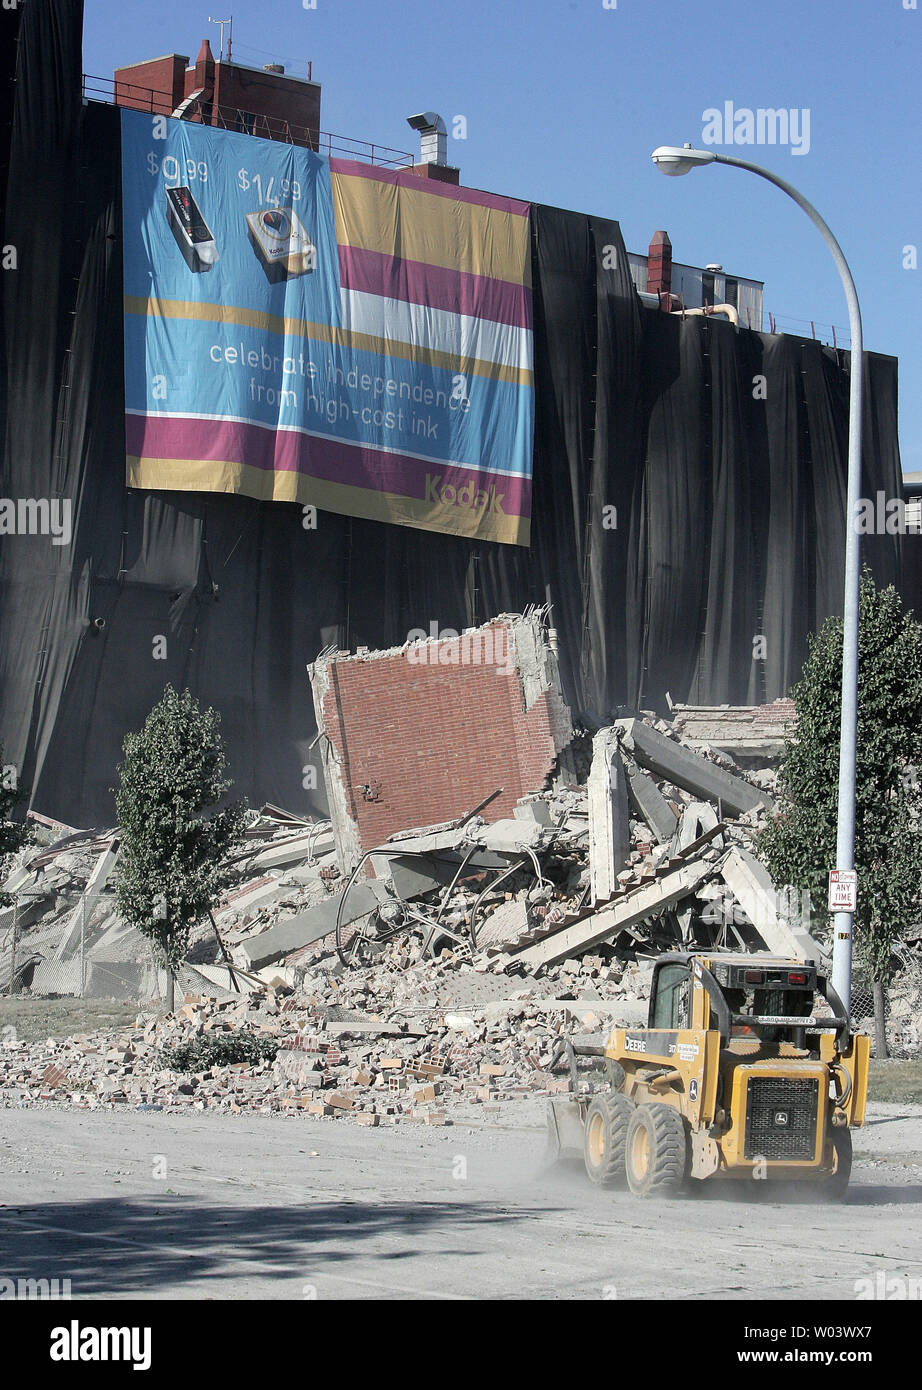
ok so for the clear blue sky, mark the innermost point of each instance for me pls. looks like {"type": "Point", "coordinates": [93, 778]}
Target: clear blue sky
{"type": "Point", "coordinates": [564, 100]}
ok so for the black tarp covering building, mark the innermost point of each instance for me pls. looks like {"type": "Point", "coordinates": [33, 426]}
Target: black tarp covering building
{"type": "Point", "coordinates": [729, 507]}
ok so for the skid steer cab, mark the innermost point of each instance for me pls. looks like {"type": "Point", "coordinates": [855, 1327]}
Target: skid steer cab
{"type": "Point", "coordinates": [747, 1068]}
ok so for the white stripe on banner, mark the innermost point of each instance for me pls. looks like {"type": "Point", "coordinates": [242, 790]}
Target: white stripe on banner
{"type": "Point", "coordinates": [437, 330]}
{"type": "Point", "coordinates": [312, 433]}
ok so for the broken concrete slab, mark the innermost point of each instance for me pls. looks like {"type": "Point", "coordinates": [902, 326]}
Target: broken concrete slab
{"type": "Point", "coordinates": [31, 906]}
{"type": "Point", "coordinates": [81, 913]}
{"type": "Point", "coordinates": [296, 849]}
{"type": "Point", "coordinates": [698, 818]}
{"type": "Point", "coordinates": [752, 887]}
{"type": "Point", "coordinates": [217, 978]}
{"type": "Point", "coordinates": [415, 874]}
{"type": "Point", "coordinates": [631, 908]}
{"type": "Point", "coordinates": [534, 808]}
{"type": "Point", "coordinates": [429, 842]}
{"type": "Point", "coordinates": [609, 824]}
{"type": "Point", "coordinates": [248, 896]}
{"type": "Point", "coordinates": [668, 759]}
{"type": "Point", "coordinates": [505, 923]}
{"type": "Point", "coordinates": [510, 836]}
{"type": "Point", "coordinates": [751, 731]}
{"type": "Point", "coordinates": [649, 802]}
{"type": "Point", "coordinates": [17, 879]}
{"type": "Point", "coordinates": [306, 927]}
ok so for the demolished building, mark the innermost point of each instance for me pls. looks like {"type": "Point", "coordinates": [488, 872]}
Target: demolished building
{"type": "Point", "coordinates": [466, 812]}
{"type": "Point", "coordinates": [429, 973]}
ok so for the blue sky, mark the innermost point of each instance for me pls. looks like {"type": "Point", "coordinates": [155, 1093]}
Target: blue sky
{"type": "Point", "coordinates": [565, 99]}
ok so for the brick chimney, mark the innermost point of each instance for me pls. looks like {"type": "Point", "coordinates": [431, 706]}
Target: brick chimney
{"type": "Point", "coordinates": [204, 66]}
{"type": "Point", "coordinates": [659, 267]}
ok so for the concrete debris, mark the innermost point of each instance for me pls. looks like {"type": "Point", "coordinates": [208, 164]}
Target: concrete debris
{"type": "Point", "coordinates": [303, 928]}
{"type": "Point", "coordinates": [649, 802]}
{"type": "Point", "coordinates": [295, 849]}
{"type": "Point", "coordinates": [633, 906]}
{"type": "Point", "coordinates": [97, 882]}
{"type": "Point", "coordinates": [742, 731]}
{"type": "Point", "coordinates": [70, 938]}
{"type": "Point", "coordinates": [752, 887]}
{"type": "Point", "coordinates": [530, 875]}
{"type": "Point", "coordinates": [385, 1044]}
{"type": "Point", "coordinates": [609, 826]}
{"type": "Point", "coordinates": [666, 757]}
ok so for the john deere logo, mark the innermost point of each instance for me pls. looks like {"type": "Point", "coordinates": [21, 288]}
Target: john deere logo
{"type": "Point", "coordinates": [781, 1119]}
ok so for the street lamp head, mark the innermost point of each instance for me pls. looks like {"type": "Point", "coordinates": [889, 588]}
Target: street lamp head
{"type": "Point", "coordinates": [679, 159]}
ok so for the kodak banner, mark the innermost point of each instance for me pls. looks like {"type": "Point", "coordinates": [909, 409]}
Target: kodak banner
{"type": "Point", "coordinates": [318, 331]}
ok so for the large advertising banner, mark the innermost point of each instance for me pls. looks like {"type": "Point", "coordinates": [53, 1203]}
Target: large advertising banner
{"type": "Point", "coordinates": [324, 332]}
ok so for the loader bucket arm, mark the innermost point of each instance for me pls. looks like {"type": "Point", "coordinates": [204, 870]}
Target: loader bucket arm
{"type": "Point", "coordinates": [716, 996]}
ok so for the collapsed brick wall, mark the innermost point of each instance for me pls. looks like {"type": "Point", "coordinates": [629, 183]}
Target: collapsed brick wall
{"type": "Point", "coordinates": [735, 726]}
{"type": "Point", "coordinates": [417, 739]}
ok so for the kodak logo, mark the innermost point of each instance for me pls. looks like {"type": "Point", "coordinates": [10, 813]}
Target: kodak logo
{"type": "Point", "coordinates": [487, 499]}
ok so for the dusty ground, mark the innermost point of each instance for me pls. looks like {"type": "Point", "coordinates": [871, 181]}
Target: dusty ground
{"type": "Point", "coordinates": [291, 1207]}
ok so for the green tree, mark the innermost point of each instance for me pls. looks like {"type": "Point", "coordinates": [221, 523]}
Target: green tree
{"type": "Point", "coordinates": [13, 834]}
{"type": "Point", "coordinates": [173, 866]}
{"type": "Point", "coordinates": [799, 847]}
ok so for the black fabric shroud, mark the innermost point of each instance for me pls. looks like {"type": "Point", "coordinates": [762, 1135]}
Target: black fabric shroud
{"type": "Point", "coordinates": [679, 512]}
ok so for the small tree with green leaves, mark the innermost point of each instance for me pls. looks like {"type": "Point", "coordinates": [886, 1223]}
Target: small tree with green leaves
{"type": "Point", "coordinates": [799, 847]}
{"type": "Point", "coordinates": [173, 866]}
{"type": "Point", "coordinates": [13, 834]}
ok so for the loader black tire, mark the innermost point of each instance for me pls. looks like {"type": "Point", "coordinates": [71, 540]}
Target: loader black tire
{"type": "Point", "coordinates": [605, 1135]}
{"type": "Point", "coordinates": [836, 1186]}
{"type": "Point", "coordinates": [657, 1151]}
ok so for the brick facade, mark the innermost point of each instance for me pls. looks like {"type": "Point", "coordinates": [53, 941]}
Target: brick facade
{"type": "Point", "coordinates": [283, 105]}
{"type": "Point", "coordinates": [430, 739]}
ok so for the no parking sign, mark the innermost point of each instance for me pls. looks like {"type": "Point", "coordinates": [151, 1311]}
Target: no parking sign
{"type": "Point", "coordinates": [843, 890]}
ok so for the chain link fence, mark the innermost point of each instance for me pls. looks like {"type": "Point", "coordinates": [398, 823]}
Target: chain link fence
{"type": "Point", "coordinates": [902, 1005]}
{"type": "Point", "coordinates": [58, 944]}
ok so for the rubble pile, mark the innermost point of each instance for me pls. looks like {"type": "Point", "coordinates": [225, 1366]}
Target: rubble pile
{"type": "Point", "coordinates": [70, 938]}
{"type": "Point", "coordinates": [434, 977]}
{"type": "Point", "coordinates": [404, 1040]}
{"type": "Point", "coordinates": [651, 851]}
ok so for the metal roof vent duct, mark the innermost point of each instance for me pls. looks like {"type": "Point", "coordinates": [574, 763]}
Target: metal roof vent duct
{"type": "Point", "coordinates": [433, 137]}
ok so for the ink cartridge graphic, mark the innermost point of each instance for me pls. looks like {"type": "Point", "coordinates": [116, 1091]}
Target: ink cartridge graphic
{"type": "Point", "coordinates": [193, 235]}
{"type": "Point", "coordinates": [281, 243]}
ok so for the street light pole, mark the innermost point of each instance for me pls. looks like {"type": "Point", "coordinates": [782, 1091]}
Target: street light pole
{"type": "Point", "coordinates": [675, 160]}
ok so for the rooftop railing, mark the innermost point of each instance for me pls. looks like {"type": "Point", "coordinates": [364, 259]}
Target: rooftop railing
{"type": "Point", "coordinates": [202, 112]}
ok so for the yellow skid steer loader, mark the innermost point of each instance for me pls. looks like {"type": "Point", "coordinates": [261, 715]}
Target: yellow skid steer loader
{"type": "Point", "coordinates": [748, 1067]}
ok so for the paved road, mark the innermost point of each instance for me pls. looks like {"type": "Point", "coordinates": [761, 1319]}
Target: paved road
{"type": "Point", "coordinates": [165, 1206]}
